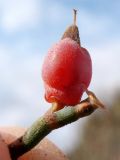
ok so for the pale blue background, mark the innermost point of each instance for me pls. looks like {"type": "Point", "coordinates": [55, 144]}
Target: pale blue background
{"type": "Point", "coordinates": [27, 30]}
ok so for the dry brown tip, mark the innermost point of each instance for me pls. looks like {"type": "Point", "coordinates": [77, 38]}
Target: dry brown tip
{"type": "Point", "coordinates": [75, 16]}
{"type": "Point", "coordinates": [94, 100]}
{"type": "Point", "coordinates": [72, 31]}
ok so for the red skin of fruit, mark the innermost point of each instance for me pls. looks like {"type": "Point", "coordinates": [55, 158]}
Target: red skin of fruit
{"type": "Point", "coordinates": [66, 72]}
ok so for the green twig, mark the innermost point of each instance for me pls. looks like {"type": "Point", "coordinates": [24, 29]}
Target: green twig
{"type": "Point", "coordinates": [44, 125]}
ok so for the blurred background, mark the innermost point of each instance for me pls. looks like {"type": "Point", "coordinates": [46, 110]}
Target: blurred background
{"type": "Point", "coordinates": [28, 28]}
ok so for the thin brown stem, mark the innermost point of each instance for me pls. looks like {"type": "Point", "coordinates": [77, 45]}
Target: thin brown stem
{"type": "Point", "coordinates": [74, 16]}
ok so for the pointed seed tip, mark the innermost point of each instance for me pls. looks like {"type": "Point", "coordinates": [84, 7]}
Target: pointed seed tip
{"type": "Point", "coordinates": [74, 16]}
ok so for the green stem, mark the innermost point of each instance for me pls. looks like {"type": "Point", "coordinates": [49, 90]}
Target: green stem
{"type": "Point", "coordinates": [44, 125]}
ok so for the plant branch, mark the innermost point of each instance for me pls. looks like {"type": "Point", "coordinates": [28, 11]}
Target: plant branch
{"type": "Point", "coordinates": [53, 120]}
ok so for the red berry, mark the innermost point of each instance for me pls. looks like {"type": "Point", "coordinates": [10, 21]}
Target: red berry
{"type": "Point", "coordinates": [66, 70]}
